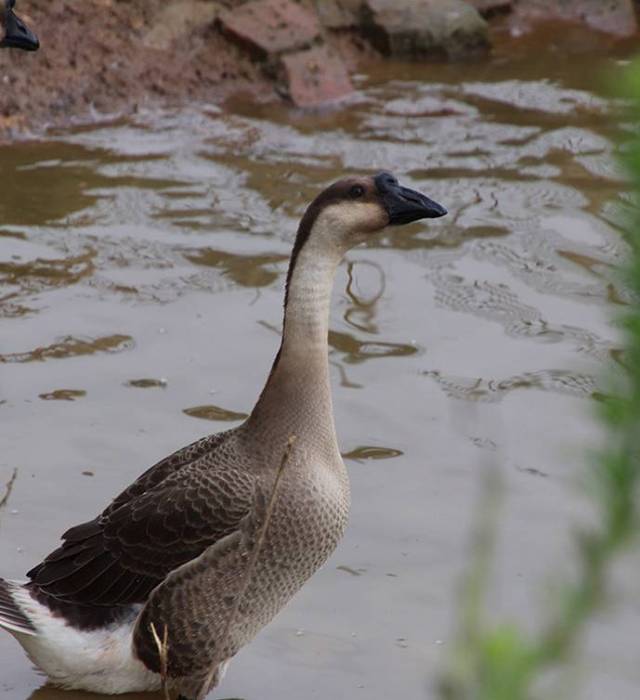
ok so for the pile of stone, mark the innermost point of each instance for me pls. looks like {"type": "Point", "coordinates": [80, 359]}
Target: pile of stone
{"type": "Point", "coordinates": [290, 37]}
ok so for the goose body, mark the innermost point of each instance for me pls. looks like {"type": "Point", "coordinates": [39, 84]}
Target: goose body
{"type": "Point", "coordinates": [171, 553]}
{"type": "Point", "coordinates": [14, 33]}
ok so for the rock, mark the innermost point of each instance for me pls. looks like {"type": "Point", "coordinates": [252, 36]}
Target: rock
{"type": "Point", "coordinates": [177, 20]}
{"type": "Point", "coordinates": [417, 27]}
{"type": "Point", "coordinates": [269, 27]}
{"type": "Point", "coordinates": [615, 17]}
{"type": "Point", "coordinates": [315, 76]}
{"type": "Point", "coordinates": [489, 7]}
{"type": "Point", "coordinates": [339, 14]}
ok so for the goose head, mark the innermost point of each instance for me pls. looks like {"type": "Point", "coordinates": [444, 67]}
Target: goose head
{"type": "Point", "coordinates": [14, 33]}
{"type": "Point", "coordinates": [352, 210]}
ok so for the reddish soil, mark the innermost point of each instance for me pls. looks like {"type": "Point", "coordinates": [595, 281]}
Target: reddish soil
{"type": "Point", "coordinates": [95, 58]}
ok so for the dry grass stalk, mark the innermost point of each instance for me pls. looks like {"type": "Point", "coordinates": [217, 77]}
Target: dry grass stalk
{"type": "Point", "coordinates": [251, 565]}
{"type": "Point", "coordinates": [163, 653]}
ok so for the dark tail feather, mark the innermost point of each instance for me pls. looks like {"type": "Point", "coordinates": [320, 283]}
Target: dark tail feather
{"type": "Point", "coordinates": [11, 616]}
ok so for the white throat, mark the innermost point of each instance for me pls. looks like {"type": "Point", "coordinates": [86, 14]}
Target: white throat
{"type": "Point", "coordinates": [306, 321]}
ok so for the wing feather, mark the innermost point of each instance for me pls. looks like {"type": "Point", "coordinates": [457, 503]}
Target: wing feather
{"type": "Point", "coordinates": [167, 517]}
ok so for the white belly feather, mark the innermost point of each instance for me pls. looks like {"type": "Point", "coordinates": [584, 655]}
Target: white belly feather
{"type": "Point", "coordinates": [99, 660]}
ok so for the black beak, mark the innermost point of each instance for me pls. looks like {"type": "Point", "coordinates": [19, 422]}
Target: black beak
{"type": "Point", "coordinates": [404, 205]}
{"type": "Point", "coordinates": [18, 35]}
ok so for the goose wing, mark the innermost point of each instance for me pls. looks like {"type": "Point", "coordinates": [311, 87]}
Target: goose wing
{"type": "Point", "coordinates": [214, 604]}
{"type": "Point", "coordinates": [167, 517]}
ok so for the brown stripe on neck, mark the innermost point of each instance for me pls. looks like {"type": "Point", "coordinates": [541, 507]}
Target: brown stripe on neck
{"type": "Point", "coordinates": [331, 195]}
{"type": "Point", "coordinates": [337, 192]}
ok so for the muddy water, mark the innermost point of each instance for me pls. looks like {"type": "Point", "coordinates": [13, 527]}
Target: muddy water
{"type": "Point", "coordinates": [142, 265]}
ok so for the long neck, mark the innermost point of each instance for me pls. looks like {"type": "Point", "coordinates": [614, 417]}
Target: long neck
{"type": "Point", "coordinates": [297, 396]}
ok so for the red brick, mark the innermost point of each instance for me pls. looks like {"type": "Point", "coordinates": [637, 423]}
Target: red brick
{"type": "Point", "coordinates": [269, 27]}
{"type": "Point", "coordinates": [315, 76]}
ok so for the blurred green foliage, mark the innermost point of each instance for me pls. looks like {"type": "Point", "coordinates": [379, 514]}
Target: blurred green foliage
{"type": "Point", "coordinates": [503, 661]}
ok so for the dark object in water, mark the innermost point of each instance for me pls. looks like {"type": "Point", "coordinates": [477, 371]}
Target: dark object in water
{"type": "Point", "coordinates": [16, 33]}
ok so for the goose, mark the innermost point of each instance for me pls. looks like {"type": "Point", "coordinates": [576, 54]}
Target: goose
{"type": "Point", "coordinates": [14, 32]}
{"type": "Point", "coordinates": [156, 589]}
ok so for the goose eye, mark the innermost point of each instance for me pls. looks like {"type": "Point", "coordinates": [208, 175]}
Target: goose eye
{"type": "Point", "coordinates": [356, 191]}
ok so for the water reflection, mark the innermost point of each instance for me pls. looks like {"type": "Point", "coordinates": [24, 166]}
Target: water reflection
{"type": "Point", "coordinates": [496, 302]}
{"type": "Point", "coordinates": [492, 390]}
{"type": "Point", "coordinates": [49, 693]}
{"type": "Point", "coordinates": [71, 346]}
{"type": "Point", "coordinates": [215, 413]}
{"type": "Point", "coordinates": [245, 270]}
{"type": "Point", "coordinates": [63, 395]}
{"type": "Point", "coordinates": [364, 297]}
{"type": "Point", "coordinates": [365, 452]}
{"type": "Point", "coordinates": [147, 383]}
